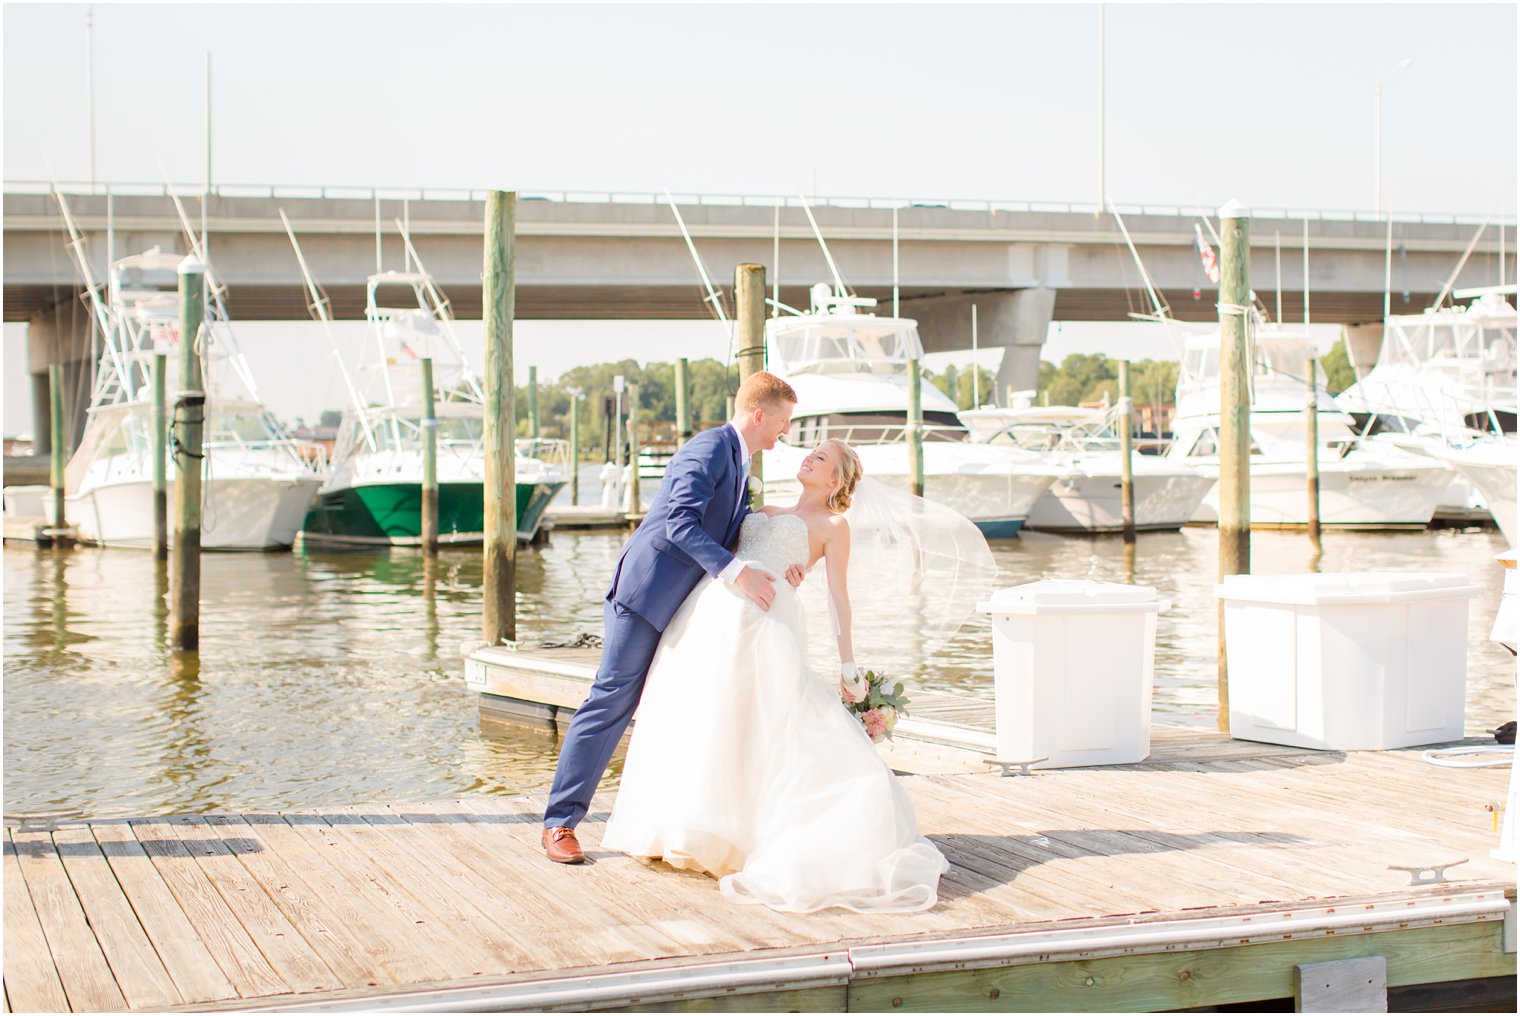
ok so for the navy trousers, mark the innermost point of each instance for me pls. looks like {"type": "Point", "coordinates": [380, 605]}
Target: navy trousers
{"type": "Point", "coordinates": [628, 646]}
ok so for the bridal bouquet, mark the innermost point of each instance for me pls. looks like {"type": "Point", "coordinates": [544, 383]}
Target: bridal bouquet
{"type": "Point", "coordinates": [876, 700]}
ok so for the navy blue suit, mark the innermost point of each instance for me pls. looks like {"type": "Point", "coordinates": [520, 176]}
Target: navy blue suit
{"type": "Point", "coordinates": [692, 521]}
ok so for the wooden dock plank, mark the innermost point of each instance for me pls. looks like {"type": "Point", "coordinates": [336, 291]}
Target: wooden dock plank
{"type": "Point", "coordinates": [212, 916]}
{"type": "Point", "coordinates": [31, 979]}
{"type": "Point", "coordinates": [185, 957]}
{"type": "Point", "coordinates": [597, 938]}
{"type": "Point", "coordinates": [437, 884]}
{"type": "Point", "coordinates": [139, 972]}
{"type": "Point", "coordinates": [411, 951]}
{"type": "Point", "coordinates": [330, 922]}
{"type": "Point", "coordinates": [82, 966]}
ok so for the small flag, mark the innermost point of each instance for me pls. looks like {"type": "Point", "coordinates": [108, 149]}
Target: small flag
{"type": "Point", "coordinates": [1206, 255]}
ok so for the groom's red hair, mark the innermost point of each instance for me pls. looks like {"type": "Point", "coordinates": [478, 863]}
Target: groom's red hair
{"type": "Point", "coordinates": [763, 390]}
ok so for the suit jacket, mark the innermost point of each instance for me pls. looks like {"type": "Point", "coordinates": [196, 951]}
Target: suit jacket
{"type": "Point", "coordinates": [691, 523]}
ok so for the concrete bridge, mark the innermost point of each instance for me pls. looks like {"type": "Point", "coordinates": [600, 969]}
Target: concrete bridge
{"type": "Point", "coordinates": [615, 256]}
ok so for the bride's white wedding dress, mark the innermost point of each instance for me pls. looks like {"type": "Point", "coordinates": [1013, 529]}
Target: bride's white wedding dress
{"type": "Point", "coordinates": [745, 764]}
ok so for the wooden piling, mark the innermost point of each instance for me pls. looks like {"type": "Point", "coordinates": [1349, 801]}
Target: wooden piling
{"type": "Point", "coordinates": [1311, 450]}
{"type": "Point", "coordinates": [429, 528]}
{"type": "Point", "coordinates": [575, 448]}
{"type": "Point", "coordinates": [683, 410]}
{"type": "Point", "coordinates": [160, 457]}
{"type": "Point", "coordinates": [749, 336]}
{"type": "Point", "coordinates": [533, 402]}
{"type": "Point", "coordinates": [1126, 454]}
{"type": "Point", "coordinates": [189, 420]}
{"type": "Point", "coordinates": [499, 581]}
{"type": "Point", "coordinates": [58, 443]}
{"type": "Point", "coordinates": [1234, 416]}
{"type": "Point", "coordinates": [916, 428]}
{"type": "Point", "coordinates": [635, 501]}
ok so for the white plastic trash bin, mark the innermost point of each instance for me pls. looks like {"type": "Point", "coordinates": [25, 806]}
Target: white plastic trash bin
{"type": "Point", "coordinates": [1073, 663]}
{"type": "Point", "coordinates": [1348, 662]}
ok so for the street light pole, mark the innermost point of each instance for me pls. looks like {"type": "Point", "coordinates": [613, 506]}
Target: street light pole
{"type": "Point", "coordinates": [1377, 136]}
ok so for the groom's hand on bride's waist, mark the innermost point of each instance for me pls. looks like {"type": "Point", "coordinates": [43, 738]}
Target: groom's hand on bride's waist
{"type": "Point", "coordinates": [757, 585]}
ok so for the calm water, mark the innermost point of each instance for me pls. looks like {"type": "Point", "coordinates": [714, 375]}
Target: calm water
{"type": "Point", "coordinates": [336, 678]}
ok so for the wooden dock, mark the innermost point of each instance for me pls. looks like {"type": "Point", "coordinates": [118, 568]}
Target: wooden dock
{"type": "Point", "coordinates": [1186, 881]}
{"type": "Point", "coordinates": [589, 516]}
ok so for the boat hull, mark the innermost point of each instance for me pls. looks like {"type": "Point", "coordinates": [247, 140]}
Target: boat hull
{"type": "Point", "coordinates": [1402, 496]}
{"type": "Point", "coordinates": [1090, 502]}
{"type": "Point", "coordinates": [390, 514]}
{"type": "Point", "coordinates": [255, 513]}
{"type": "Point", "coordinates": [1494, 478]}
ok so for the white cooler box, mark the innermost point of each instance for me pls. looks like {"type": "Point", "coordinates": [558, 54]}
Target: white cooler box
{"type": "Point", "coordinates": [1073, 662]}
{"type": "Point", "coordinates": [1347, 662]}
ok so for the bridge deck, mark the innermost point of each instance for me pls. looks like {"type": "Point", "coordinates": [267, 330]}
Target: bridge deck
{"type": "Point", "coordinates": [1197, 878]}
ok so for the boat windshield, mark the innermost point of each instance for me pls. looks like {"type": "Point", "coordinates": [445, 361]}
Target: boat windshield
{"type": "Point", "coordinates": [827, 345]}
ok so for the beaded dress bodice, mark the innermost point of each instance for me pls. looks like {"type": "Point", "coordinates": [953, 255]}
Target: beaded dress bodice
{"type": "Point", "coordinates": [774, 541]}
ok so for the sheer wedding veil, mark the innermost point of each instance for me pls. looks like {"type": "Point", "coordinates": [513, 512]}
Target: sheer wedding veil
{"type": "Point", "coordinates": [917, 570]}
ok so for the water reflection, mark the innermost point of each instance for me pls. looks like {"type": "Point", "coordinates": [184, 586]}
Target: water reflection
{"type": "Point", "coordinates": [331, 678]}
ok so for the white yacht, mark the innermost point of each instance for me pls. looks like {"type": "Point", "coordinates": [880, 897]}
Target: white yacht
{"type": "Point", "coordinates": [1490, 465]}
{"type": "Point", "coordinates": [374, 495]}
{"type": "Point", "coordinates": [850, 372]}
{"type": "Point", "coordinates": [1362, 486]}
{"type": "Point", "coordinates": [1442, 380]}
{"type": "Point", "coordinates": [257, 481]}
{"type": "Point", "coordinates": [1082, 445]}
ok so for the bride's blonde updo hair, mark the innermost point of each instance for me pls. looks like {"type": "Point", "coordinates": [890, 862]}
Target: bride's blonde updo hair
{"type": "Point", "coordinates": [848, 472]}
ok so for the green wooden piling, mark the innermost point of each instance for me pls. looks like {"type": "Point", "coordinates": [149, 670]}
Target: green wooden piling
{"type": "Point", "coordinates": [499, 581]}
{"type": "Point", "coordinates": [1234, 416]}
{"type": "Point", "coordinates": [683, 408]}
{"type": "Point", "coordinates": [915, 433]}
{"type": "Point", "coordinates": [575, 448]}
{"type": "Point", "coordinates": [58, 443]}
{"type": "Point", "coordinates": [189, 421]}
{"type": "Point", "coordinates": [1311, 450]}
{"type": "Point", "coordinates": [635, 501]}
{"type": "Point", "coordinates": [429, 533]}
{"type": "Point", "coordinates": [160, 457]}
{"type": "Point", "coordinates": [533, 403]}
{"type": "Point", "coordinates": [749, 335]}
{"type": "Point", "coordinates": [1126, 454]}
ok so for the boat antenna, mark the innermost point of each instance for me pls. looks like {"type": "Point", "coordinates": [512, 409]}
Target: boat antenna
{"type": "Point", "coordinates": [1462, 263]}
{"type": "Point", "coordinates": [102, 313]}
{"type": "Point", "coordinates": [1162, 310]}
{"type": "Point", "coordinates": [321, 310]}
{"type": "Point", "coordinates": [443, 311]}
{"type": "Point", "coordinates": [839, 287]}
{"type": "Point", "coordinates": [714, 298]}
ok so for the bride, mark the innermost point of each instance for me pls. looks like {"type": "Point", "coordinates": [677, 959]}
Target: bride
{"type": "Point", "coordinates": [744, 763]}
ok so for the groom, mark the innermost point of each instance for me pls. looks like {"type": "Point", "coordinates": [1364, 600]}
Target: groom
{"type": "Point", "coordinates": [692, 522]}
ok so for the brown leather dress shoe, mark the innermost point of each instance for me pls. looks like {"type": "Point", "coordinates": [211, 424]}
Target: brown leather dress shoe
{"type": "Point", "coordinates": [562, 846]}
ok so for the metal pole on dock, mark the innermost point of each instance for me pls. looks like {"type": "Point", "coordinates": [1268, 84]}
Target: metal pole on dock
{"type": "Point", "coordinates": [575, 448]}
{"type": "Point", "coordinates": [189, 417]}
{"type": "Point", "coordinates": [683, 408]}
{"type": "Point", "coordinates": [1311, 451]}
{"type": "Point", "coordinates": [635, 501]}
{"type": "Point", "coordinates": [429, 533]}
{"type": "Point", "coordinates": [749, 336]}
{"type": "Point", "coordinates": [499, 581]}
{"type": "Point", "coordinates": [533, 403]}
{"type": "Point", "coordinates": [160, 457]}
{"type": "Point", "coordinates": [1234, 415]}
{"type": "Point", "coordinates": [1126, 454]}
{"type": "Point", "coordinates": [916, 427]}
{"type": "Point", "coordinates": [59, 443]}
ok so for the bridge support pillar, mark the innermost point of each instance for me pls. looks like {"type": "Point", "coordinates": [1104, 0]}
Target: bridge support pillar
{"type": "Point", "coordinates": [60, 334]}
{"type": "Point", "coordinates": [1017, 320]}
{"type": "Point", "coordinates": [1363, 343]}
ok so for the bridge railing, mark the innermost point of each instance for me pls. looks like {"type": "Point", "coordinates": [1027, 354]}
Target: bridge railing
{"type": "Point", "coordinates": [344, 193]}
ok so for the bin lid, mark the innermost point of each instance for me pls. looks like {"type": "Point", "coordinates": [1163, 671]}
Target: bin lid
{"type": "Point", "coordinates": [1067, 596]}
{"type": "Point", "coordinates": [1346, 587]}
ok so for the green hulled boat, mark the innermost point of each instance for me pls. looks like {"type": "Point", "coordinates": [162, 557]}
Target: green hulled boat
{"type": "Point", "coordinates": [391, 513]}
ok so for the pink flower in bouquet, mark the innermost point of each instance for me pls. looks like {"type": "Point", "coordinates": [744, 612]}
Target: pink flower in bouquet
{"type": "Point", "coordinates": [876, 724]}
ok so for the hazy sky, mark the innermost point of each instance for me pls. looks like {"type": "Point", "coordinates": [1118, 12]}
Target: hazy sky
{"type": "Point", "coordinates": [1271, 103]}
